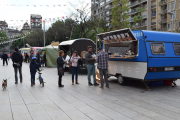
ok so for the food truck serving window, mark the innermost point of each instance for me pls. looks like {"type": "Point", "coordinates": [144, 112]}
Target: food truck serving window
{"type": "Point", "coordinates": [177, 48]}
{"type": "Point", "coordinates": [158, 49]}
{"type": "Point", "coordinates": [117, 50]}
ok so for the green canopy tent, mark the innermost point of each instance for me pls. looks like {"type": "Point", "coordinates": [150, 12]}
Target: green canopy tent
{"type": "Point", "coordinates": [51, 55]}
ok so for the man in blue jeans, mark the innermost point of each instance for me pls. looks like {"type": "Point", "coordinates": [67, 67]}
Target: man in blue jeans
{"type": "Point", "coordinates": [90, 60]}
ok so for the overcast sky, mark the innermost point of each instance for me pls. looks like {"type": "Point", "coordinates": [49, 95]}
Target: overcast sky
{"type": "Point", "coordinates": [17, 12]}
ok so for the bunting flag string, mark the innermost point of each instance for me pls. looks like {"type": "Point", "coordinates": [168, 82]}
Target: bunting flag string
{"type": "Point", "coordinates": [17, 23]}
{"type": "Point", "coordinates": [4, 42]}
{"type": "Point", "coordinates": [15, 5]}
{"type": "Point", "coordinates": [14, 36]}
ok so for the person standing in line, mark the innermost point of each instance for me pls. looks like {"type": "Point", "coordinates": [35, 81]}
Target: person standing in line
{"type": "Point", "coordinates": [75, 67]}
{"type": "Point", "coordinates": [33, 67]}
{"type": "Point", "coordinates": [10, 55]}
{"type": "Point", "coordinates": [26, 57]}
{"type": "Point", "coordinates": [102, 60]}
{"type": "Point", "coordinates": [44, 59]}
{"type": "Point", "coordinates": [90, 60]}
{"type": "Point", "coordinates": [31, 55]}
{"type": "Point", "coordinates": [17, 59]}
{"type": "Point", "coordinates": [5, 57]}
{"type": "Point", "coordinates": [60, 67]}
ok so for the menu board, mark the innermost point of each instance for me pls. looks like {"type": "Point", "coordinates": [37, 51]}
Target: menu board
{"type": "Point", "coordinates": [117, 36]}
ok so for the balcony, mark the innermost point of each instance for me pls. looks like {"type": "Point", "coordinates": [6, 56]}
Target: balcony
{"type": "Point", "coordinates": [143, 1]}
{"type": "Point", "coordinates": [132, 12]}
{"type": "Point", "coordinates": [143, 24]}
{"type": "Point", "coordinates": [153, 15]}
{"type": "Point", "coordinates": [144, 16]}
{"type": "Point", "coordinates": [163, 11]}
{"type": "Point", "coordinates": [130, 19]}
{"type": "Point", "coordinates": [153, 6]}
{"type": "Point", "coordinates": [153, 23]}
{"type": "Point", "coordinates": [164, 20]}
{"type": "Point", "coordinates": [163, 2]}
{"type": "Point", "coordinates": [132, 4]}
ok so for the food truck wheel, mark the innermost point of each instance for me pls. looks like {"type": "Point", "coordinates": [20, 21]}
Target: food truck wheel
{"type": "Point", "coordinates": [121, 80]}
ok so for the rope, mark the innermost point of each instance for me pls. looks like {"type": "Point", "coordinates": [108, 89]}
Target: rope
{"type": "Point", "coordinates": [5, 74]}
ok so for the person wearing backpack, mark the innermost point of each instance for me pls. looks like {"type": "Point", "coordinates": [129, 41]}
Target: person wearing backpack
{"type": "Point", "coordinates": [17, 60]}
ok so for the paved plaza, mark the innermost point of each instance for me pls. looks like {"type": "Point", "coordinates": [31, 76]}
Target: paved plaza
{"type": "Point", "coordinates": [83, 102]}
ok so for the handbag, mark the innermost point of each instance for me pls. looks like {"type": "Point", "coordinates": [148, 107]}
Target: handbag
{"type": "Point", "coordinates": [61, 71]}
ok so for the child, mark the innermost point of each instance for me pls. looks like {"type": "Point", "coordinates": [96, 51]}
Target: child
{"type": "Point", "coordinates": [33, 68]}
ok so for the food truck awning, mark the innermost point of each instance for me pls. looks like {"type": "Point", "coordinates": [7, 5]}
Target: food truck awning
{"type": "Point", "coordinates": [117, 36]}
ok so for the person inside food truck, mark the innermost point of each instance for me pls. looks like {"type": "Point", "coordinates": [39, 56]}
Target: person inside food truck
{"type": "Point", "coordinates": [133, 47]}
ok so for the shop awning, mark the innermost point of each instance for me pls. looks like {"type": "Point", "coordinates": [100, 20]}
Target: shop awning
{"type": "Point", "coordinates": [117, 36]}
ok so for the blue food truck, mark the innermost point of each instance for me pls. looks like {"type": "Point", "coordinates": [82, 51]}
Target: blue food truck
{"type": "Point", "coordinates": [142, 55]}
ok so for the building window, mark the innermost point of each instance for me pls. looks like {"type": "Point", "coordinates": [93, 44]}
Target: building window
{"type": "Point", "coordinates": [169, 7]}
{"type": "Point", "coordinates": [169, 26]}
{"type": "Point", "coordinates": [174, 25]}
{"type": "Point", "coordinates": [102, 3]}
{"type": "Point", "coordinates": [107, 13]}
{"type": "Point", "coordinates": [172, 5]}
{"type": "Point", "coordinates": [107, 1]}
{"type": "Point", "coordinates": [179, 24]}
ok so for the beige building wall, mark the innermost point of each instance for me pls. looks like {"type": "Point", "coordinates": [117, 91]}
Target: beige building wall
{"type": "Point", "coordinates": [165, 19]}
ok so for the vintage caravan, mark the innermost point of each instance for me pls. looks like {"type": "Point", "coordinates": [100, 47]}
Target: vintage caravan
{"type": "Point", "coordinates": [142, 55]}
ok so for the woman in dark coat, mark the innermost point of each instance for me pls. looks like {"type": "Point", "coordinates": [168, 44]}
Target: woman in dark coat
{"type": "Point", "coordinates": [60, 67]}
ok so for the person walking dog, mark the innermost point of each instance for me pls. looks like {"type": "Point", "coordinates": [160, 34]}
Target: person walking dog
{"type": "Point", "coordinates": [60, 67]}
{"type": "Point", "coordinates": [75, 67]}
{"type": "Point", "coordinates": [90, 60]}
{"type": "Point", "coordinates": [17, 59]}
{"type": "Point", "coordinates": [102, 60]}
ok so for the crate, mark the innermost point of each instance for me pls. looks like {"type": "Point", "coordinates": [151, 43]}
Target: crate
{"type": "Point", "coordinates": [168, 82]}
{"type": "Point", "coordinates": [156, 83]}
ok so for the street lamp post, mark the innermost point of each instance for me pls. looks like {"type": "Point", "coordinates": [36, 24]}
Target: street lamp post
{"type": "Point", "coordinates": [44, 33]}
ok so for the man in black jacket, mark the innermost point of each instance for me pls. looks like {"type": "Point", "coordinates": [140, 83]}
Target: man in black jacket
{"type": "Point", "coordinates": [90, 60]}
{"type": "Point", "coordinates": [17, 59]}
{"type": "Point", "coordinates": [5, 57]}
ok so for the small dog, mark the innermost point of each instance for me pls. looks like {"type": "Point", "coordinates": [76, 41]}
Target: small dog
{"type": "Point", "coordinates": [4, 84]}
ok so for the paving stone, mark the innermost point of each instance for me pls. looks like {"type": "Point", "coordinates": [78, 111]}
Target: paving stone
{"type": "Point", "coordinates": [76, 102]}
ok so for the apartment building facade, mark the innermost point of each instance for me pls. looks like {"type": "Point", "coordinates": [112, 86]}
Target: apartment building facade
{"type": "Point", "coordinates": [155, 13]}
{"type": "Point", "coordinates": [165, 19]}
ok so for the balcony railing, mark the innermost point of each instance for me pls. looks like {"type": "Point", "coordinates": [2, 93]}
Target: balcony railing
{"type": "Point", "coordinates": [153, 15]}
{"type": "Point", "coordinates": [153, 23]}
{"type": "Point", "coordinates": [163, 11]}
{"type": "Point", "coordinates": [144, 16]}
{"type": "Point", "coordinates": [153, 6]}
{"type": "Point", "coordinates": [162, 2]}
{"type": "Point", "coordinates": [163, 20]}
{"type": "Point", "coordinates": [143, 0]}
{"type": "Point", "coordinates": [130, 19]}
{"type": "Point", "coordinates": [143, 24]}
{"type": "Point", "coordinates": [134, 3]}
{"type": "Point", "coordinates": [133, 11]}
